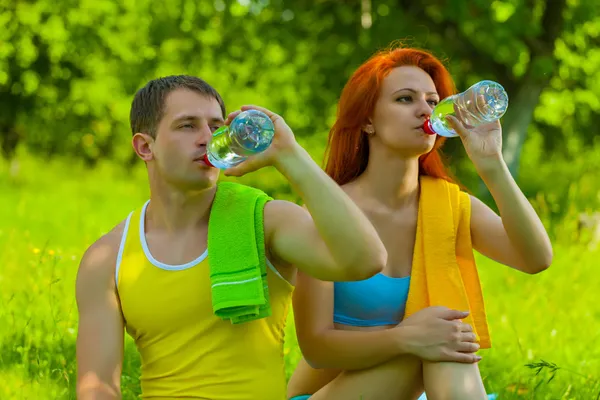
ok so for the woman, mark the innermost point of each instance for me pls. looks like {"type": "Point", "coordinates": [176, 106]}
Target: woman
{"type": "Point", "coordinates": [357, 338]}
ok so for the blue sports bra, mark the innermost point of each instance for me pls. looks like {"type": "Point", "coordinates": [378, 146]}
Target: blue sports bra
{"type": "Point", "coordinates": [378, 300]}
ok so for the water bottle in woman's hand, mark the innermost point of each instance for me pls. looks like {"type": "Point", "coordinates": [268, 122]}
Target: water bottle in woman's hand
{"type": "Point", "coordinates": [484, 102]}
{"type": "Point", "coordinates": [251, 132]}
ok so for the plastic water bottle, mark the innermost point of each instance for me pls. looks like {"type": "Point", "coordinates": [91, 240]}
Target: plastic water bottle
{"type": "Point", "coordinates": [251, 132]}
{"type": "Point", "coordinates": [484, 102]}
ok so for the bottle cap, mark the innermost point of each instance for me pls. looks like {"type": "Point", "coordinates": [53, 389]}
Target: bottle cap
{"type": "Point", "coordinates": [206, 161]}
{"type": "Point", "coordinates": [428, 128]}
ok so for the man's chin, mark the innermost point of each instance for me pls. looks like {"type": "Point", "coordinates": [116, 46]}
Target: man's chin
{"type": "Point", "coordinates": [206, 182]}
{"type": "Point", "coordinates": [206, 179]}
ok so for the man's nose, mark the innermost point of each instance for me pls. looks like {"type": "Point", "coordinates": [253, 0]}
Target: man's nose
{"type": "Point", "coordinates": [204, 136]}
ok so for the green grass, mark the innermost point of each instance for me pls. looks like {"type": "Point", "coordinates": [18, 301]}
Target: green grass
{"type": "Point", "coordinates": [50, 212]}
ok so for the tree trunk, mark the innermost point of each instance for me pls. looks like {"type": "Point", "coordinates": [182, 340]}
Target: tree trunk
{"type": "Point", "coordinates": [517, 120]}
{"type": "Point", "coordinates": [9, 140]}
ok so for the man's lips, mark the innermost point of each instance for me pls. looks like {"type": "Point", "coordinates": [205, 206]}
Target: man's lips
{"type": "Point", "coordinates": [201, 159]}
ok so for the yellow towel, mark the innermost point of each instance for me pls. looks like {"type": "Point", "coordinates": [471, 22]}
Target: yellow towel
{"type": "Point", "coordinates": [444, 271]}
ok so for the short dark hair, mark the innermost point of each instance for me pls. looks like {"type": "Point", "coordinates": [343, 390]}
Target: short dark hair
{"type": "Point", "coordinates": [148, 104]}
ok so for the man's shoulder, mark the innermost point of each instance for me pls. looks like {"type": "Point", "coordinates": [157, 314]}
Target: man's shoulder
{"type": "Point", "coordinates": [100, 258]}
{"type": "Point", "coordinates": [283, 214]}
{"type": "Point", "coordinates": [279, 208]}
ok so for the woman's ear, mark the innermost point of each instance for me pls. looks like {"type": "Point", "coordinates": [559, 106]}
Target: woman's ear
{"type": "Point", "coordinates": [368, 128]}
{"type": "Point", "coordinates": [142, 145]}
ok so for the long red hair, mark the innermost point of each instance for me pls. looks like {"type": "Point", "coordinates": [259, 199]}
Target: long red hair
{"type": "Point", "coordinates": [347, 152]}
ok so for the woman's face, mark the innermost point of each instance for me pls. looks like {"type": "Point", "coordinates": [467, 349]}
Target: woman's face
{"type": "Point", "coordinates": [408, 96]}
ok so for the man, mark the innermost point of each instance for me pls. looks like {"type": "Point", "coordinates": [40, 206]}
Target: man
{"type": "Point", "coordinates": [150, 275]}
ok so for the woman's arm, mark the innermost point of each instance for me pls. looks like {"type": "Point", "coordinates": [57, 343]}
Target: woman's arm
{"type": "Point", "coordinates": [517, 238]}
{"type": "Point", "coordinates": [435, 333]}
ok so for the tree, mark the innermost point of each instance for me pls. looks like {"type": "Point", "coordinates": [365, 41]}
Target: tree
{"type": "Point", "coordinates": [69, 70]}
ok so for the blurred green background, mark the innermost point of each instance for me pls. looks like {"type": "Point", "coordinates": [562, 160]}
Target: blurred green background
{"type": "Point", "coordinates": [68, 71]}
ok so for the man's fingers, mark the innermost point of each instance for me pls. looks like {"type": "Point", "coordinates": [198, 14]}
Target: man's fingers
{"type": "Point", "coordinates": [466, 328]}
{"type": "Point", "coordinates": [269, 113]}
{"type": "Point", "coordinates": [231, 116]}
{"type": "Point", "coordinates": [250, 164]}
{"type": "Point", "coordinates": [233, 171]}
{"type": "Point", "coordinates": [238, 170]}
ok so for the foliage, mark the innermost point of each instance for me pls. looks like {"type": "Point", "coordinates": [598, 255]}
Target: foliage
{"type": "Point", "coordinates": [68, 70]}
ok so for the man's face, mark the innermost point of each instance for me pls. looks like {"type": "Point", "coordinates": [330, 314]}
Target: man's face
{"type": "Point", "coordinates": [188, 121]}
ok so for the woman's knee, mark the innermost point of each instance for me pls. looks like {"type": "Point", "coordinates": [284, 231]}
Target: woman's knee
{"type": "Point", "coordinates": [455, 393]}
{"type": "Point", "coordinates": [453, 381]}
{"type": "Point", "coordinates": [400, 377]}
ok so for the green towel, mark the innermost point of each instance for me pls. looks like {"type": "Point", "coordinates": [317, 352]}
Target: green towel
{"type": "Point", "coordinates": [236, 253]}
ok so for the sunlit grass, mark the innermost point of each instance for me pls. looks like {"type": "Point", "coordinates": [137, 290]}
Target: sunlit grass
{"type": "Point", "coordinates": [545, 328]}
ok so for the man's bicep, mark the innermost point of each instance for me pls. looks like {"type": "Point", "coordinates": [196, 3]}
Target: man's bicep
{"type": "Point", "coordinates": [100, 329]}
{"type": "Point", "coordinates": [295, 240]}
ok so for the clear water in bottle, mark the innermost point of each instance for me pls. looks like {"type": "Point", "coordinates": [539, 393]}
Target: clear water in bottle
{"type": "Point", "coordinates": [484, 102]}
{"type": "Point", "coordinates": [251, 132]}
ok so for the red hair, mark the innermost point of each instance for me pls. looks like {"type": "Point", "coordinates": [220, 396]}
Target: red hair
{"type": "Point", "coordinates": [347, 152]}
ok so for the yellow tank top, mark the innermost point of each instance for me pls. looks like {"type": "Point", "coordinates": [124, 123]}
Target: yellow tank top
{"type": "Point", "coordinates": [186, 351]}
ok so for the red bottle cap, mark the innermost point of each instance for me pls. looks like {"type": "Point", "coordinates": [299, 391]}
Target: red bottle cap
{"type": "Point", "coordinates": [428, 128]}
{"type": "Point", "coordinates": [206, 160]}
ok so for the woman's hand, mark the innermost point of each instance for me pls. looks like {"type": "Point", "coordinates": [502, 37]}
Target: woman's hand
{"type": "Point", "coordinates": [483, 143]}
{"type": "Point", "coordinates": [438, 334]}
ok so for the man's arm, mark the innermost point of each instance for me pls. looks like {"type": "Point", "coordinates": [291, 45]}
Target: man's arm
{"type": "Point", "coordinates": [100, 333]}
{"type": "Point", "coordinates": [331, 239]}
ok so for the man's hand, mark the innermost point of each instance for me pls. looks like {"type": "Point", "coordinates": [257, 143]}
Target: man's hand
{"type": "Point", "coordinates": [284, 144]}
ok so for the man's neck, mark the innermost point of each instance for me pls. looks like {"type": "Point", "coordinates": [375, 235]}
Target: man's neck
{"type": "Point", "coordinates": [176, 211]}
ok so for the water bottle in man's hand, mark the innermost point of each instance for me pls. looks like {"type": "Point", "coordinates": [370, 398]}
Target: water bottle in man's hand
{"type": "Point", "coordinates": [251, 132]}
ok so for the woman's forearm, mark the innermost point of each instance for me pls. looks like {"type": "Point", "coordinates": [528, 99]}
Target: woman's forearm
{"type": "Point", "coordinates": [523, 226]}
{"type": "Point", "coordinates": [350, 350]}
